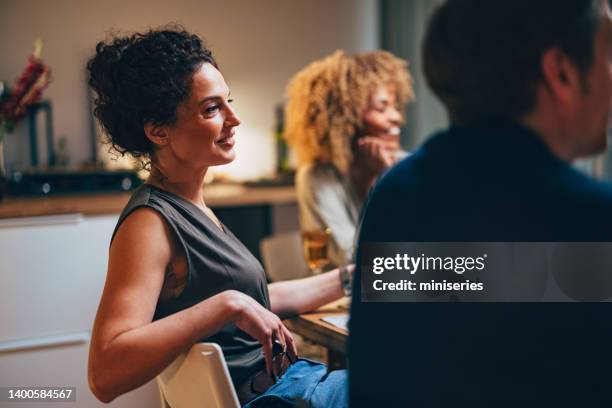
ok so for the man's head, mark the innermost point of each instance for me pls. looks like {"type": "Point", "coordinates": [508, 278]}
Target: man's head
{"type": "Point", "coordinates": [512, 59]}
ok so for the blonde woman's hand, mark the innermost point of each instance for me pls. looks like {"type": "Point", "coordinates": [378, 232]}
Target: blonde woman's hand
{"type": "Point", "coordinates": [262, 325]}
{"type": "Point", "coordinates": [377, 153]}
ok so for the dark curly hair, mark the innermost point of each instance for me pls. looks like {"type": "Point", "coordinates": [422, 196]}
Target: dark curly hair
{"type": "Point", "coordinates": [143, 78]}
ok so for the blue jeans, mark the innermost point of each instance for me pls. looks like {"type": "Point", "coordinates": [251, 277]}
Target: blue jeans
{"type": "Point", "coordinates": [308, 381]}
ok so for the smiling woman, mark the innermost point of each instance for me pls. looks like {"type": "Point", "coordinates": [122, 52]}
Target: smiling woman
{"type": "Point", "coordinates": [176, 274]}
{"type": "Point", "coordinates": [203, 134]}
{"type": "Point", "coordinates": [343, 117]}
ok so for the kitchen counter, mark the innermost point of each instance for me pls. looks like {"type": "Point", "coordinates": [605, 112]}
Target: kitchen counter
{"type": "Point", "coordinates": [216, 195]}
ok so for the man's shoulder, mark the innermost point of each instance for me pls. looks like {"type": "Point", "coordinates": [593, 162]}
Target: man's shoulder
{"type": "Point", "coordinates": [575, 186]}
{"type": "Point", "coordinates": [432, 194]}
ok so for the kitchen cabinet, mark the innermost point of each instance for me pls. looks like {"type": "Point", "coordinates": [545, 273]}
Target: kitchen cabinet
{"type": "Point", "coordinates": [52, 272]}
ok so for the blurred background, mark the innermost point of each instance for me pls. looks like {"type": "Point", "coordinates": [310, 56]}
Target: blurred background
{"type": "Point", "coordinates": [258, 44]}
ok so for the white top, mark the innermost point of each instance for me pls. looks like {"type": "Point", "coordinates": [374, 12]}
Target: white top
{"type": "Point", "coordinates": [326, 199]}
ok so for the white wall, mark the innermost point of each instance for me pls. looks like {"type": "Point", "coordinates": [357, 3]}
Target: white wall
{"type": "Point", "coordinates": [259, 44]}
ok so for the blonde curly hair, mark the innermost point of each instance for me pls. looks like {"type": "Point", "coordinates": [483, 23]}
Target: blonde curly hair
{"type": "Point", "coordinates": [327, 100]}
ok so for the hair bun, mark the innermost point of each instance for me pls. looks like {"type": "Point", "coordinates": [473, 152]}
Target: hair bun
{"type": "Point", "coordinates": [143, 78]}
{"type": "Point", "coordinates": [103, 67]}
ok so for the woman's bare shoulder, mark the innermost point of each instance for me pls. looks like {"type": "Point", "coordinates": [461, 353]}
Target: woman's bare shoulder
{"type": "Point", "coordinates": [144, 235]}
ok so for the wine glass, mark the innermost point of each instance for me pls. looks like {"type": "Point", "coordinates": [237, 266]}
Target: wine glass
{"type": "Point", "coordinates": [316, 243]}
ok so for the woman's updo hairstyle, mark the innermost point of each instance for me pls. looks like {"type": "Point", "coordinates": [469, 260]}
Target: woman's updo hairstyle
{"type": "Point", "coordinates": [143, 78]}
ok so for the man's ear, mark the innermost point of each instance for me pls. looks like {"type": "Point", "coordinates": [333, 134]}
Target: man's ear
{"type": "Point", "coordinates": [158, 135]}
{"type": "Point", "coordinates": [561, 77]}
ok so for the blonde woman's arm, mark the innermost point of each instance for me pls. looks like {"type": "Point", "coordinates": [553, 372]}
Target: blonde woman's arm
{"type": "Point", "coordinates": [324, 202]}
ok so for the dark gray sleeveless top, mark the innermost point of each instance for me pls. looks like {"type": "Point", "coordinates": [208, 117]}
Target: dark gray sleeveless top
{"type": "Point", "coordinates": [217, 261]}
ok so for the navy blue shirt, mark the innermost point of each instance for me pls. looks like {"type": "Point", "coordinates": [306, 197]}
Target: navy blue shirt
{"type": "Point", "coordinates": [494, 182]}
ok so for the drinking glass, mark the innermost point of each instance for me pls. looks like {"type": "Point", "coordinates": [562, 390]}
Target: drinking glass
{"type": "Point", "coordinates": [316, 245]}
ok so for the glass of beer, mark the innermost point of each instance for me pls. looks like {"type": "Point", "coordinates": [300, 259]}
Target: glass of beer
{"type": "Point", "coordinates": [316, 243]}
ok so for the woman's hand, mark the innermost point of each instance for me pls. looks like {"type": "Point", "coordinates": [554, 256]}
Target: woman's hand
{"type": "Point", "coordinates": [377, 153]}
{"type": "Point", "coordinates": [261, 324]}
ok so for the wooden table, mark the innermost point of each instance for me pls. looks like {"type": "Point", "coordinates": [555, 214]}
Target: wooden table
{"type": "Point", "coordinates": [313, 328]}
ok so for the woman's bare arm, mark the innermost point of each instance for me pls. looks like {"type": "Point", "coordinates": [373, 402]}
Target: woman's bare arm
{"type": "Point", "coordinates": [297, 296]}
{"type": "Point", "coordinates": [127, 348]}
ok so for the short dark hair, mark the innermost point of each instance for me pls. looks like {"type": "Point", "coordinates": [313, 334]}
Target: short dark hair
{"type": "Point", "coordinates": [482, 57]}
{"type": "Point", "coordinates": [143, 78]}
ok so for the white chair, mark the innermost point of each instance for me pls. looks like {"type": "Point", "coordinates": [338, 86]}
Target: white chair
{"type": "Point", "coordinates": [283, 256]}
{"type": "Point", "coordinates": [198, 378]}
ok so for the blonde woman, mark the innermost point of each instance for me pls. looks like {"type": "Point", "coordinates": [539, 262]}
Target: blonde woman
{"type": "Point", "coordinates": [342, 119]}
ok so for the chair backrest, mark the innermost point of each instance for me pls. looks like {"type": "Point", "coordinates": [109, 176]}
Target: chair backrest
{"type": "Point", "coordinates": [283, 256]}
{"type": "Point", "coordinates": [198, 378]}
